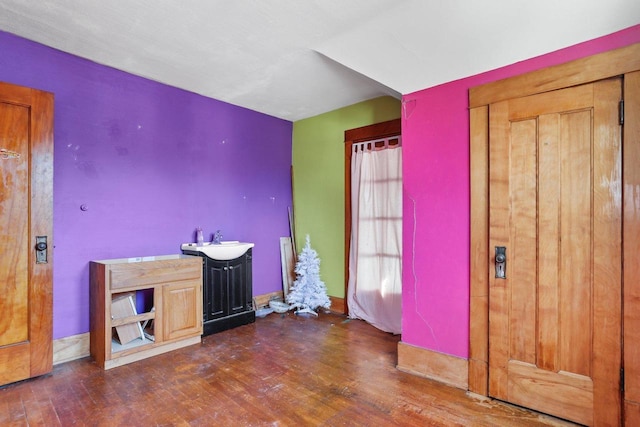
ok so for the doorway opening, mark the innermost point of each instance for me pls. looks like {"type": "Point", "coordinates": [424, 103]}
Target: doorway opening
{"type": "Point", "coordinates": [373, 224]}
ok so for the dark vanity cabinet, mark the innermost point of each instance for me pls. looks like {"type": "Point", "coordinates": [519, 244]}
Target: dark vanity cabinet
{"type": "Point", "coordinates": [227, 292]}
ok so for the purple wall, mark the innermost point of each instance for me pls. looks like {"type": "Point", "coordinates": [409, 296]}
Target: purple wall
{"type": "Point", "coordinates": [150, 162]}
{"type": "Point", "coordinates": [435, 143]}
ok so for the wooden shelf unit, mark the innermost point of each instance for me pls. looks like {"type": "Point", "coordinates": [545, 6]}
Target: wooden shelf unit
{"type": "Point", "coordinates": [176, 284]}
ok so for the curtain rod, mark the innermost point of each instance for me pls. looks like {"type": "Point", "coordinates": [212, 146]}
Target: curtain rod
{"type": "Point", "coordinates": [378, 144]}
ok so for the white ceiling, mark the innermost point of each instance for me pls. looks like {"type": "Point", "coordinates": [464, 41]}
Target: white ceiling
{"type": "Point", "coordinates": [294, 59]}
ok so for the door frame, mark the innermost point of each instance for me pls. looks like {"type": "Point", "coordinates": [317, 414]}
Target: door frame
{"type": "Point", "coordinates": [375, 131]}
{"type": "Point", "coordinates": [626, 62]}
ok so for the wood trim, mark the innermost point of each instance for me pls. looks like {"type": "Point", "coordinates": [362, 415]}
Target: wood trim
{"type": "Point", "coordinates": [347, 218]}
{"type": "Point", "coordinates": [352, 136]}
{"type": "Point", "coordinates": [338, 305]}
{"type": "Point", "coordinates": [585, 70]}
{"type": "Point", "coordinates": [479, 291]}
{"type": "Point", "coordinates": [631, 238]}
{"type": "Point", "coordinates": [625, 61]}
{"type": "Point", "coordinates": [375, 131]}
{"type": "Point", "coordinates": [71, 348]}
{"type": "Point", "coordinates": [631, 414]}
{"type": "Point", "coordinates": [430, 364]}
{"type": "Point", "coordinates": [263, 300]}
{"type": "Point", "coordinates": [607, 288]}
{"type": "Point", "coordinates": [41, 275]}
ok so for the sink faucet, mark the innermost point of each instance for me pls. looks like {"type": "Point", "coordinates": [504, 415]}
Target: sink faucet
{"type": "Point", "coordinates": [217, 237]}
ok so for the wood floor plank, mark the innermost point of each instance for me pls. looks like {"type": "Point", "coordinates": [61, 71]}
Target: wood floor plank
{"type": "Point", "coordinates": [283, 370]}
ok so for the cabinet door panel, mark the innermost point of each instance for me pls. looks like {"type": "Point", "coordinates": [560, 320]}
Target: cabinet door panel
{"type": "Point", "coordinates": [237, 288]}
{"type": "Point", "coordinates": [182, 305]}
{"type": "Point", "coordinates": [215, 290]}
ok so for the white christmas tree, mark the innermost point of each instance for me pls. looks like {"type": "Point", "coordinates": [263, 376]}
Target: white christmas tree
{"type": "Point", "coordinates": [308, 291]}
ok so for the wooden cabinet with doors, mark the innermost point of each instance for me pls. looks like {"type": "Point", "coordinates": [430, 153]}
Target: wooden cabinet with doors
{"type": "Point", "coordinates": [554, 157]}
{"type": "Point", "coordinates": [169, 291]}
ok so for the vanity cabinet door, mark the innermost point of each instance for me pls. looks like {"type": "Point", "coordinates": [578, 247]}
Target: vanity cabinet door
{"type": "Point", "coordinates": [182, 305]}
{"type": "Point", "coordinates": [215, 290]}
{"type": "Point", "coordinates": [237, 289]}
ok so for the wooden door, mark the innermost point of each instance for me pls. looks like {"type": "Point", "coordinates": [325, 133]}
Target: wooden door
{"type": "Point", "coordinates": [26, 182]}
{"type": "Point", "coordinates": [555, 204]}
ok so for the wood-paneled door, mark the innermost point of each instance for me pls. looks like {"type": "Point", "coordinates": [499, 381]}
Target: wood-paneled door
{"type": "Point", "coordinates": [555, 336]}
{"type": "Point", "coordinates": [26, 197]}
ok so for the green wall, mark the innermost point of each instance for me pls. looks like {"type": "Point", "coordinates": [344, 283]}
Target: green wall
{"type": "Point", "coordinates": [318, 181]}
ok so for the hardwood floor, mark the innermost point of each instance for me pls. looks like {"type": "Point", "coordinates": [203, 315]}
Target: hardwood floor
{"type": "Point", "coordinates": [281, 371]}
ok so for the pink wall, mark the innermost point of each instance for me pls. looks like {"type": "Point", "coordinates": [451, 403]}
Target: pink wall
{"type": "Point", "coordinates": [435, 132]}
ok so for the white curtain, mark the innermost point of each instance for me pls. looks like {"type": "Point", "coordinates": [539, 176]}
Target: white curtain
{"type": "Point", "coordinates": [374, 292]}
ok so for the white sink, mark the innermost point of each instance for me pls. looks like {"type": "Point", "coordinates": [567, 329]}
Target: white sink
{"type": "Point", "coordinates": [224, 251]}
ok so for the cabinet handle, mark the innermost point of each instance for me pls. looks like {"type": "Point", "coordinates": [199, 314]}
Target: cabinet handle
{"type": "Point", "coordinates": [231, 267]}
{"type": "Point", "coordinates": [224, 268]}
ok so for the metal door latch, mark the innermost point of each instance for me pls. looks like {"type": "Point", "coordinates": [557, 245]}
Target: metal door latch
{"type": "Point", "coordinates": [501, 262]}
{"type": "Point", "coordinates": [41, 249]}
